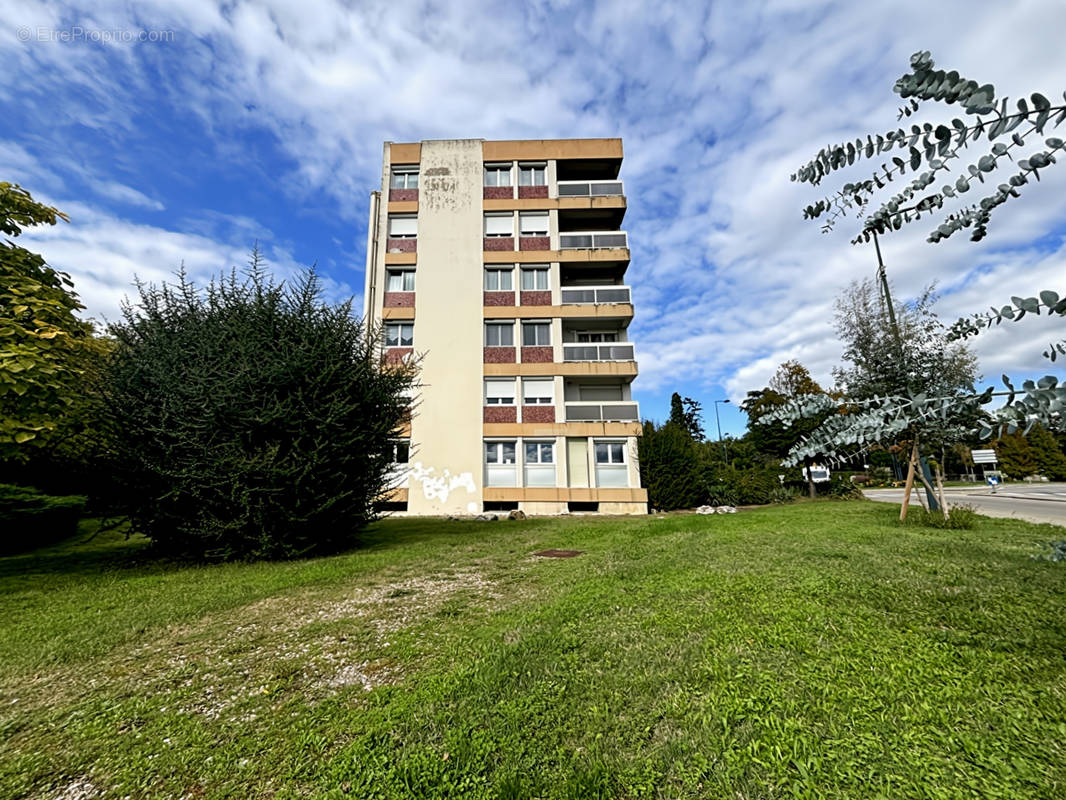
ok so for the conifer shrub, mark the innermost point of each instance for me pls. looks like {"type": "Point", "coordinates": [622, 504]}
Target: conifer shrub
{"type": "Point", "coordinates": [249, 418]}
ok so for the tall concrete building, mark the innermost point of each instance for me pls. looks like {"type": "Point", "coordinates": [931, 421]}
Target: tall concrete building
{"type": "Point", "coordinates": [501, 267]}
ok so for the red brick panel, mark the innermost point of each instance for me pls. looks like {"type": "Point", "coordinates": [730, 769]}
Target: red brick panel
{"type": "Point", "coordinates": [395, 355]}
{"type": "Point", "coordinates": [399, 299]}
{"type": "Point", "coordinates": [499, 298]}
{"type": "Point", "coordinates": [499, 193]}
{"type": "Point", "coordinates": [501, 355]}
{"type": "Point", "coordinates": [536, 298]}
{"type": "Point", "coordinates": [540, 355]}
{"type": "Point", "coordinates": [401, 245]}
{"type": "Point", "coordinates": [499, 243]}
{"type": "Point", "coordinates": [538, 413]}
{"type": "Point", "coordinates": [403, 195]}
{"type": "Point", "coordinates": [501, 413]}
{"type": "Point", "coordinates": [535, 243]}
{"type": "Point", "coordinates": [532, 191]}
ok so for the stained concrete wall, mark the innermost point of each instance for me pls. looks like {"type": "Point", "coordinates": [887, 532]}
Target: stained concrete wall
{"type": "Point", "coordinates": [446, 468]}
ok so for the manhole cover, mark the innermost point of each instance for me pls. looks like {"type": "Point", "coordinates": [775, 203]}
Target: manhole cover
{"type": "Point", "coordinates": [559, 553]}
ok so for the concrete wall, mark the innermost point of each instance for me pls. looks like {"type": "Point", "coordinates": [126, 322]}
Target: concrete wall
{"type": "Point", "coordinates": [446, 466]}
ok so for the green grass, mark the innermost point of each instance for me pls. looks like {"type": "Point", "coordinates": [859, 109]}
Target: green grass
{"type": "Point", "coordinates": [806, 651]}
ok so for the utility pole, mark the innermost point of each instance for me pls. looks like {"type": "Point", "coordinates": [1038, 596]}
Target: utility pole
{"type": "Point", "coordinates": [725, 451]}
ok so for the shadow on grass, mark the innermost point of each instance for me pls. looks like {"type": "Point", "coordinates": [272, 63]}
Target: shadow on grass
{"type": "Point", "coordinates": [94, 551]}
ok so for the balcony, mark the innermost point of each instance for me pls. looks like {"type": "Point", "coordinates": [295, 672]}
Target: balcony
{"type": "Point", "coordinates": [602, 412]}
{"type": "Point", "coordinates": [593, 240]}
{"type": "Point", "coordinates": [595, 295]}
{"type": "Point", "coordinates": [591, 189]}
{"type": "Point", "coordinates": [617, 351]}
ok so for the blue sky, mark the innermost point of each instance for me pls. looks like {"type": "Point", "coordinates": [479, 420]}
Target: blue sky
{"type": "Point", "coordinates": [223, 124]}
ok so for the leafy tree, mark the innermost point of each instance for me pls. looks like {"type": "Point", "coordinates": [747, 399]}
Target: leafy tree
{"type": "Point", "coordinates": [686, 413]}
{"type": "Point", "coordinates": [670, 467]}
{"type": "Point", "coordinates": [249, 419]}
{"type": "Point", "coordinates": [939, 147]}
{"type": "Point", "coordinates": [929, 363]}
{"type": "Point", "coordinates": [773, 436]}
{"type": "Point", "coordinates": [1048, 455]}
{"type": "Point", "coordinates": [45, 349]}
{"type": "Point", "coordinates": [1014, 455]}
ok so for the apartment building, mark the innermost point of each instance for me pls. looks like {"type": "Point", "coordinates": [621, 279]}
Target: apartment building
{"type": "Point", "coordinates": [501, 267]}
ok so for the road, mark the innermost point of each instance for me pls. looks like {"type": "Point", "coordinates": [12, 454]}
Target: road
{"type": "Point", "coordinates": [1037, 502]}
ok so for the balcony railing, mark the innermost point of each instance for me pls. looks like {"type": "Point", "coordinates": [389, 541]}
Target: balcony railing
{"type": "Point", "coordinates": [593, 240]}
{"type": "Point", "coordinates": [602, 412]}
{"type": "Point", "coordinates": [598, 352]}
{"type": "Point", "coordinates": [596, 295]}
{"type": "Point", "coordinates": [590, 189]}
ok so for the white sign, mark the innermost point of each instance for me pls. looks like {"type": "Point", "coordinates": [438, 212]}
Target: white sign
{"type": "Point", "coordinates": [983, 456]}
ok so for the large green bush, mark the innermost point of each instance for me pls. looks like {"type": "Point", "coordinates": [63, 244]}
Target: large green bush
{"type": "Point", "coordinates": [670, 467]}
{"type": "Point", "coordinates": [30, 519]}
{"type": "Point", "coordinates": [249, 418]}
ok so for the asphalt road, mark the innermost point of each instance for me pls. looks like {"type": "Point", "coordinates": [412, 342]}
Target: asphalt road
{"type": "Point", "coordinates": [1037, 502]}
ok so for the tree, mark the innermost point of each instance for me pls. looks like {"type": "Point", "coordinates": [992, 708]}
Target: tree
{"type": "Point", "coordinates": [686, 414]}
{"type": "Point", "coordinates": [938, 147]}
{"type": "Point", "coordinates": [1014, 456]}
{"type": "Point", "coordinates": [670, 467]}
{"type": "Point", "coordinates": [1049, 458]}
{"type": "Point", "coordinates": [250, 418]}
{"type": "Point", "coordinates": [930, 363]}
{"type": "Point", "coordinates": [773, 436]}
{"type": "Point", "coordinates": [44, 347]}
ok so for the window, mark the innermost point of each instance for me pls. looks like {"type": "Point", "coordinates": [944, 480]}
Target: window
{"type": "Point", "coordinates": [610, 453]}
{"type": "Point", "coordinates": [531, 175]}
{"type": "Point", "coordinates": [499, 391]}
{"type": "Point", "coordinates": [538, 391]}
{"type": "Point", "coordinates": [535, 279]}
{"type": "Point", "coordinates": [403, 227]}
{"type": "Point", "coordinates": [497, 174]}
{"type": "Point", "coordinates": [540, 452]}
{"type": "Point", "coordinates": [533, 224]}
{"type": "Point", "coordinates": [500, 452]}
{"type": "Point", "coordinates": [400, 280]}
{"type": "Point", "coordinates": [499, 334]}
{"type": "Point", "coordinates": [499, 279]}
{"type": "Point", "coordinates": [399, 334]}
{"type": "Point", "coordinates": [404, 178]}
{"type": "Point", "coordinates": [401, 451]}
{"type": "Point", "coordinates": [536, 334]}
{"type": "Point", "coordinates": [498, 225]}
{"type": "Point", "coordinates": [597, 336]}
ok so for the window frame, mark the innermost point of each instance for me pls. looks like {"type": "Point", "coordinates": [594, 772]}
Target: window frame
{"type": "Point", "coordinates": [589, 334]}
{"type": "Point", "coordinates": [496, 400]}
{"type": "Point", "coordinates": [533, 168]}
{"type": "Point", "coordinates": [401, 446]}
{"type": "Point", "coordinates": [494, 324]}
{"type": "Point", "coordinates": [496, 169]}
{"type": "Point", "coordinates": [498, 445]}
{"type": "Point", "coordinates": [536, 270]}
{"type": "Point", "coordinates": [496, 269]}
{"type": "Point", "coordinates": [397, 217]}
{"type": "Point", "coordinates": [399, 326]}
{"type": "Point", "coordinates": [402, 274]}
{"type": "Point", "coordinates": [497, 215]}
{"type": "Point", "coordinates": [537, 325]}
{"type": "Point", "coordinates": [534, 215]}
{"type": "Point", "coordinates": [539, 399]}
{"type": "Point", "coordinates": [539, 444]}
{"type": "Point", "coordinates": [610, 444]}
{"type": "Point", "coordinates": [405, 172]}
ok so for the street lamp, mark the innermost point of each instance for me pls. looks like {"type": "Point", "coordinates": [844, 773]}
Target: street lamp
{"type": "Point", "coordinates": [725, 452]}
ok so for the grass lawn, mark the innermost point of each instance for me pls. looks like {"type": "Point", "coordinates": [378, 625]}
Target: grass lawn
{"type": "Point", "coordinates": [806, 651]}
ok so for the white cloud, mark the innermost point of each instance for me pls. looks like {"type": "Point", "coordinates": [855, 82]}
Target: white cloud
{"type": "Point", "coordinates": [717, 104]}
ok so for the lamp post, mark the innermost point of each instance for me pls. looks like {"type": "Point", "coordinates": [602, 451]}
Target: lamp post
{"type": "Point", "coordinates": [725, 451]}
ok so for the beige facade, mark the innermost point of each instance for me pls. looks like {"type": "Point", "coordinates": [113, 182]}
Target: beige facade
{"type": "Point", "coordinates": [500, 266]}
